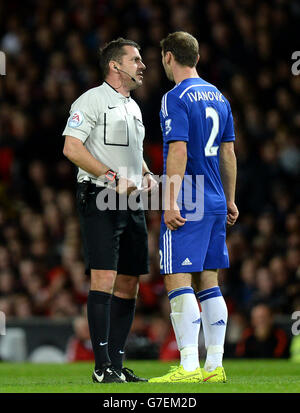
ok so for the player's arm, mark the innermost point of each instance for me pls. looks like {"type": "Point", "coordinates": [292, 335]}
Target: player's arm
{"type": "Point", "coordinates": [175, 169]}
{"type": "Point", "coordinates": [228, 171]}
{"type": "Point", "coordinates": [176, 135]}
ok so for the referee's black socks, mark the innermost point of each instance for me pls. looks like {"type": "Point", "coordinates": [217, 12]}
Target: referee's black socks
{"type": "Point", "coordinates": [121, 317]}
{"type": "Point", "coordinates": [98, 312]}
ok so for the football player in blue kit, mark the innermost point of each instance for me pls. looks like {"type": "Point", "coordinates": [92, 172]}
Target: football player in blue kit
{"type": "Point", "coordinates": [198, 146]}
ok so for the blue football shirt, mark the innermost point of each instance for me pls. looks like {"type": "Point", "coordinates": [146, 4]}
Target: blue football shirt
{"type": "Point", "coordinates": [196, 112]}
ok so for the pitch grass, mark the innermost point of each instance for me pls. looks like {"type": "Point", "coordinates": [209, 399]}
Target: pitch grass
{"type": "Point", "coordinates": [244, 376]}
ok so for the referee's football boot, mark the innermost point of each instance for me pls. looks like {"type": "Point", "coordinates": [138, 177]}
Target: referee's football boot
{"type": "Point", "coordinates": [216, 376]}
{"type": "Point", "coordinates": [130, 376]}
{"type": "Point", "coordinates": [108, 374]}
{"type": "Point", "coordinates": [179, 375]}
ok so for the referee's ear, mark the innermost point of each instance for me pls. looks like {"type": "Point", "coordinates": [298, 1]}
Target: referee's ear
{"type": "Point", "coordinates": [113, 66]}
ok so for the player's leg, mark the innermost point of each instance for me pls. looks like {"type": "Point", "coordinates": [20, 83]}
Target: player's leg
{"type": "Point", "coordinates": [214, 308]}
{"type": "Point", "coordinates": [214, 318]}
{"type": "Point", "coordinates": [185, 317]}
{"type": "Point", "coordinates": [177, 254]}
{"type": "Point", "coordinates": [182, 250]}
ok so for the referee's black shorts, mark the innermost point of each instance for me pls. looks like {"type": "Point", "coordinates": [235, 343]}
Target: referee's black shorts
{"type": "Point", "coordinates": [112, 239]}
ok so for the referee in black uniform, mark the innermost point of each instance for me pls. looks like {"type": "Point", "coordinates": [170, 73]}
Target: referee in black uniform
{"type": "Point", "coordinates": [103, 138]}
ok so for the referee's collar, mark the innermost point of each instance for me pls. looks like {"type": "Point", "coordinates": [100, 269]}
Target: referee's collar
{"type": "Point", "coordinates": [116, 93]}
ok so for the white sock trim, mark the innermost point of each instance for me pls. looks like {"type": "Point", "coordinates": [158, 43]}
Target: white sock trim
{"type": "Point", "coordinates": [215, 349]}
{"type": "Point", "coordinates": [177, 335]}
{"type": "Point", "coordinates": [189, 358]}
{"type": "Point", "coordinates": [186, 351]}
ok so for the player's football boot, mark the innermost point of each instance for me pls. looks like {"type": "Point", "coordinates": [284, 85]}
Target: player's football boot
{"type": "Point", "coordinates": [130, 377]}
{"type": "Point", "coordinates": [179, 375]}
{"type": "Point", "coordinates": [216, 376]}
{"type": "Point", "coordinates": [107, 374]}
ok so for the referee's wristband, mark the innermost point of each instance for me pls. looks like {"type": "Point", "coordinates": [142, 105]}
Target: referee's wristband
{"type": "Point", "coordinates": [148, 172]}
{"type": "Point", "coordinates": [112, 176]}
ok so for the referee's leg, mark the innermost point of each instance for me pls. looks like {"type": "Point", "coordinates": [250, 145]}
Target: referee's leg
{"type": "Point", "coordinates": [98, 313]}
{"type": "Point", "coordinates": [126, 286]}
{"type": "Point", "coordinates": [133, 261]}
{"type": "Point", "coordinates": [103, 280]}
{"type": "Point", "coordinates": [100, 240]}
{"type": "Point", "coordinates": [121, 316]}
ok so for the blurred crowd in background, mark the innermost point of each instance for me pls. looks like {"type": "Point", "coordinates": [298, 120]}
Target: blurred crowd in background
{"type": "Point", "coordinates": [52, 57]}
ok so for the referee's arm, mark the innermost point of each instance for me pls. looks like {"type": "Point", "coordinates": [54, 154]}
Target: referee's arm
{"type": "Point", "coordinates": [145, 168]}
{"type": "Point", "coordinates": [149, 182]}
{"type": "Point", "coordinates": [77, 153]}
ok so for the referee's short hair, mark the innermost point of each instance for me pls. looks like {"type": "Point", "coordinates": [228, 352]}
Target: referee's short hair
{"type": "Point", "coordinates": [183, 46]}
{"type": "Point", "coordinates": [114, 50]}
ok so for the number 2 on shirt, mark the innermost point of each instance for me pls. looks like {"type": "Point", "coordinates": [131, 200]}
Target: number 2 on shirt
{"type": "Point", "coordinates": [209, 149]}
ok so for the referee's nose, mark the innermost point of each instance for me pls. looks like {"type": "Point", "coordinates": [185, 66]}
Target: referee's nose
{"type": "Point", "coordinates": [142, 65]}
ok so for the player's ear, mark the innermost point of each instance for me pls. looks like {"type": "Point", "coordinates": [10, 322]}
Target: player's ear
{"type": "Point", "coordinates": [198, 57]}
{"type": "Point", "coordinates": [168, 57]}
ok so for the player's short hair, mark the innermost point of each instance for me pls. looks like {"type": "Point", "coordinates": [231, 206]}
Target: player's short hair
{"type": "Point", "coordinates": [183, 46]}
{"type": "Point", "coordinates": [114, 50]}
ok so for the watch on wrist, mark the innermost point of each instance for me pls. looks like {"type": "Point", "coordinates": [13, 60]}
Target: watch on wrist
{"type": "Point", "coordinates": [148, 172]}
{"type": "Point", "coordinates": [112, 176]}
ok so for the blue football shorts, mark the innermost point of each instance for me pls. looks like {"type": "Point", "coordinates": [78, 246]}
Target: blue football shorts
{"type": "Point", "coordinates": [196, 246]}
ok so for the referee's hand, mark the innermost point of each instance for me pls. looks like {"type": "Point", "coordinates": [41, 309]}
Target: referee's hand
{"type": "Point", "coordinates": [125, 186]}
{"type": "Point", "coordinates": [173, 219]}
{"type": "Point", "coordinates": [149, 184]}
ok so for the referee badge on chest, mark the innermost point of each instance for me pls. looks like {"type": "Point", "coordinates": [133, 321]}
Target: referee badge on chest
{"type": "Point", "coordinates": [75, 119]}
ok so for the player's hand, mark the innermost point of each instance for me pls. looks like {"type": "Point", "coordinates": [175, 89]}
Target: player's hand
{"type": "Point", "coordinates": [173, 219]}
{"type": "Point", "coordinates": [125, 186]}
{"type": "Point", "coordinates": [149, 183]}
{"type": "Point", "coordinates": [232, 213]}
